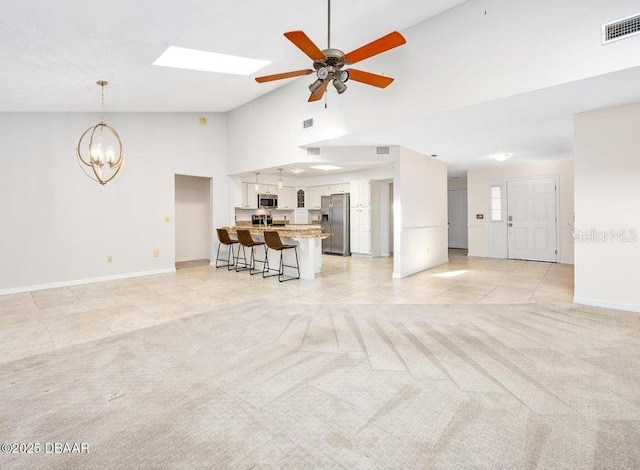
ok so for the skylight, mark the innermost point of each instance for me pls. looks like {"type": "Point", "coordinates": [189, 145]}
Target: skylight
{"type": "Point", "coordinates": [325, 167]}
{"type": "Point", "coordinates": [192, 59]}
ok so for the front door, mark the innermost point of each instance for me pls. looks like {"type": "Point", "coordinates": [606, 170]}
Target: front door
{"type": "Point", "coordinates": [531, 219]}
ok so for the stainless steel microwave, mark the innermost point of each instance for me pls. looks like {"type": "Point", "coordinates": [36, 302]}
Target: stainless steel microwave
{"type": "Point", "coordinates": [267, 200]}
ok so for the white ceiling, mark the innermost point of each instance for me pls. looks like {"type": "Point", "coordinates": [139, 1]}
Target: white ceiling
{"type": "Point", "coordinates": [53, 52]}
{"type": "Point", "coordinates": [533, 126]}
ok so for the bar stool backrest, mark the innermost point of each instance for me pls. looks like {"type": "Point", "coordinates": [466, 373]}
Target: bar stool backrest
{"type": "Point", "coordinates": [272, 239]}
{"type": "Point", "coordinates": [245, 237]}
{"type": "Point", "coordinates": [223, 236]}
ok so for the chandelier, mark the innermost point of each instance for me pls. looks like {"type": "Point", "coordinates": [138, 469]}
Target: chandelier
{"type": "Point", "coordinates": [104, 147]}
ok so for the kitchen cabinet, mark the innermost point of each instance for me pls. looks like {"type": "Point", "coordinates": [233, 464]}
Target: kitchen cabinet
{"type": "Point", "coordinates": [300, 216]}
{"type": "Point", "coordinates": [287, 198]}
{"type": "Point", "coordinates": [341, 188]}
{"type": "Point", "coordinates": [300, 199]}
{"type": "Point", "coordinates": [360, 230]}
{"type": "Point", "coordinates": [248, 197]}
{"type": "Point", "coordinates": [268, 189]}
{"type": "Point", "coordinates": [314, 193]}
{"type": "Point", "coordinates": [360, 193]}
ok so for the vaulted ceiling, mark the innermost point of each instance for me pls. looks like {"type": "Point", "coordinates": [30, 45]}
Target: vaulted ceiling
{"type": "Point", "coordinates": [52, 53]}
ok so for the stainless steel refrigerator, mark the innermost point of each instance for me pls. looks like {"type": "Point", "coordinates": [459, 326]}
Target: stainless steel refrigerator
{"type": "Point", "coordinates": [335, 220]}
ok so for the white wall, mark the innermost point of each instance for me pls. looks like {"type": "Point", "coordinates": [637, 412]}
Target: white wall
{"type": "Point", "coordinates": [607, 175]}
{"type": "Point", "coordinates": [59, 226]}
{"type": "Point", "coordinates": [381, 244]}
{"type": "Point", "coordinates": [420, 214]}
{"type": "Point", "coordinates": [193, 218]}
{"type": "Point", "coordinates": [456, 59]}
{"type": "Point", "coordinates": [478, 182]}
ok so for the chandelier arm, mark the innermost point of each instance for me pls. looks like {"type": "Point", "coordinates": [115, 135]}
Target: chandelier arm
{"type": "Point", "coordinates": [121, 150]}
{"type": "Point", "coordinates": [103, 181]}
{"type": "Point", "coordinates": [78, 152]}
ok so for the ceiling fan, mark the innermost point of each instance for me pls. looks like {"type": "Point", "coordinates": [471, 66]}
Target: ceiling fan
{"type": "Point", "coordinates": [328, 64]}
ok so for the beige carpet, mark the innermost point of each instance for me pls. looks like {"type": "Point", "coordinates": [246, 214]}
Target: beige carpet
{"type": "Point", "coordinates": [344, 386]}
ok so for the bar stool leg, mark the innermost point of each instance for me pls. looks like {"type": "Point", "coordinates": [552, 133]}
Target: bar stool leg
{"type": "Point", "coordinates": [244, 260]}
{"type": "Point", "coordinates": [282, 266]}
{"type": "Point", "coordinates": [231, 256]}
{"type": "Point", "coordinates": [252, 269]}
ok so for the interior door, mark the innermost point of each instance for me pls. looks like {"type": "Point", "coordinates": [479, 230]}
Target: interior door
{"type": "Point", "coordinates": [457, 207]}
{"type": "Point", "coordinates": [531, 219]}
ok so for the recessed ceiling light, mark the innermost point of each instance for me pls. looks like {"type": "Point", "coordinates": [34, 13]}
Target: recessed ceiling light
{"type": "Point", "coordinates": [501, 156]}
{"type": "Point", "coordinates": [192, 59]}
{"type": "Point", "coordinates": [297, 170]}
{"type": "Point", "coordinates": [325, 167]}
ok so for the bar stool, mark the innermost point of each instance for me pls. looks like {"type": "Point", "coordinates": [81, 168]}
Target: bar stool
{"type": "Point", "coordinates": [274, 242]}
{"type": "Point", "coordinates": [247, 241]}
{"type": "Point", "coordinates": [225, 239]}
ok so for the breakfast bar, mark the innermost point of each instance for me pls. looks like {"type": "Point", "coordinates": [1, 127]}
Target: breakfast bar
{"type": "Point", "coordinates": [308, 238]}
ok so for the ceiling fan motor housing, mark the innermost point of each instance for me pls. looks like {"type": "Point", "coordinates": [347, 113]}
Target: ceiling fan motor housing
{"type": "Point", "coordinates": [329, 67]}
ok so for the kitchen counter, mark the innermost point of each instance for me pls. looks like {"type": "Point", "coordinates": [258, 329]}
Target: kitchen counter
{"type": "Point", "coordinates": [287, 231]}
{"type": "Point", "coordinates": [308, 239]}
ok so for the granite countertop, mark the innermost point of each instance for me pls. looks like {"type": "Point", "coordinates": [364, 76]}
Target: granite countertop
{"type": "Point", "coordinates": [289, 231]}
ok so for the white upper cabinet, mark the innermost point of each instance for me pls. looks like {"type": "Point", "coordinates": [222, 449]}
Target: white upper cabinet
{"type": "Point", "coordinates": [287, 198]}
{"type": "Point", "coordinates": [268, 189]}
{"type": "Point", "coordinates": [341, 188]}
{"type": "Point", "coordinates": [314, 193]}
{"type": "Point", "coordinates": [248, 197]}
{"type": "Point", "coordinates": [360, 193]}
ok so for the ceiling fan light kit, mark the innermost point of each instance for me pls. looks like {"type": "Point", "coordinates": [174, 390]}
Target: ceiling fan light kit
{"type": "Point", "coordinates": [328, 64]}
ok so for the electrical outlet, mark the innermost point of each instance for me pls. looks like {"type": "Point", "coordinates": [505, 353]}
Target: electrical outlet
{"type": "Point", "coordinates": [156, 253]}
{"type": "Point", "coordinates": [109, 258]}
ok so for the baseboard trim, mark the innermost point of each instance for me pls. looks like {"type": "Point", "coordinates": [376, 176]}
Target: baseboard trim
{"type": "Point", "coordinates": [78, 282]}
{"type": "Point", "coordinates": [611, 305]}
{"type": "Point", "coordinates": [397, 275]}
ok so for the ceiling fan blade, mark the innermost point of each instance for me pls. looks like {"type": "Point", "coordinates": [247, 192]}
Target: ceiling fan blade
{"type": "Point", "coordinates": [305, 44]}
{"type": "Point", "coordinates": [280, 76]}
{"type": "Point", "coordinates": [378, 46]}
{"type": "Point", "coordinates": [369, 78]}
{"type": "Point", "coordinates": [320, 93]}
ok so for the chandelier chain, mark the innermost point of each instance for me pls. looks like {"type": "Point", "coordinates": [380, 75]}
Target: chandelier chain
{"type": "Point", "coordinates": [102, 88]}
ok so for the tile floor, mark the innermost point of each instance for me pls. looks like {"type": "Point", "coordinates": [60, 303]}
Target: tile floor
{"type": "Point", "coordinates": [476, 364]}
{"type": "Point", "coordinates": [42, 321]}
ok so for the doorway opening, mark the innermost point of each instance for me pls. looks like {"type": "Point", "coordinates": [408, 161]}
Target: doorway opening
{"type": "Point", "coordinates": [457, 212]}
{"type": "Point", "coordinates": [192, 221]}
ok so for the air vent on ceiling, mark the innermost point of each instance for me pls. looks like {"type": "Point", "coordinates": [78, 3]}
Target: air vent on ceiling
{"type": "Point", "coordinates": [313, 151]}
{"type": "Point", "coordinates": [621, 29]}
{"type": "Point", "coordinates": [383, 150]}
{"type": "Point", "coordinates": [307, 123]}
